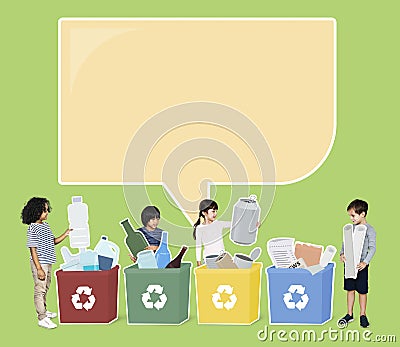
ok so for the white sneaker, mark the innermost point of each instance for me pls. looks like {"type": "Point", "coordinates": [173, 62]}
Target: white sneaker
{"type": "Point", "coordinates": [51, 314]}
{"type": "Point", "coordinates": [47, 323]}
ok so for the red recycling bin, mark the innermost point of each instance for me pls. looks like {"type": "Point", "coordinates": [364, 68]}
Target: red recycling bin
{"type": "Point", "coordinates": [88, 296]}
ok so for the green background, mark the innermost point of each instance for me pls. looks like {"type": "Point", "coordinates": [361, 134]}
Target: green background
{"type": "Point", "coordinates": [363, 163]}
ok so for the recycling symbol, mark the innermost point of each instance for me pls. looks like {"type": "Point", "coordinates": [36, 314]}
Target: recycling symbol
{"type": "Point", "coordinates": [146, 297]}
{"type": "Point", "coordinates": [216, 297]}
{"type": "Point", "coordinates": [288, 298]}
{"type": "Point", "coordinates": [76, 298]}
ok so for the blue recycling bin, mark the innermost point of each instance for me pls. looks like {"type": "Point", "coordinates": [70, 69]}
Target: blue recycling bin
{"type": "Point", "coordinates": [295, 296]}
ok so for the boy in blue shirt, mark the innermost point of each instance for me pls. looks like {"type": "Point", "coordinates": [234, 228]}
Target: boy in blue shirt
{"type": "Point", "coordinates": [151, 218]}
{"type": "Point", "coordinates": [357, 210]}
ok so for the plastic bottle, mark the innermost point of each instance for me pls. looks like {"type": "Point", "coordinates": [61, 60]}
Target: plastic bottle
{"type": "Point", "coordinates": [134, 240]}
{"type": "Point", "coordinates": [67, 255]}
{"type": "Point", "coordinates": [163, 255]}
{"type": "Point", "coordinates": [78, 220]}
{"type": "Point", "coordinates": [108, 253]}
{"type": "Point", "coordinates": [176, 262]}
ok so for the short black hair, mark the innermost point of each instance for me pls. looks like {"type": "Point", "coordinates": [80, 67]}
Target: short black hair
{"type": "Point", "coordinates": [359, 206]}
{"type": "Point", "coordinates": [33, 210]}
{"type": "Point", "coordinates": [149, 212]}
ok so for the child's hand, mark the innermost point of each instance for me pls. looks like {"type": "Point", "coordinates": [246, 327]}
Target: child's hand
{"type": "Point", "coordinates": [133, 258]}
{"type": "Point", "coordinates": [67, 231]}
{"type": "Point", "coordinates": [342, 258]}
{"type": "Point", "coordinates": [361, 266]}
{"type": "Point", "coordinates": [41, 275]}
{"type": "Point", "coordinates": [152, 248]}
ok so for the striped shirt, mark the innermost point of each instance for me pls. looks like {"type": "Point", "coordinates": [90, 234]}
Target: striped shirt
{"type": "Point", "coordinates": [152, 237]}
{"type": "Point", "coordinates": [41, 237]}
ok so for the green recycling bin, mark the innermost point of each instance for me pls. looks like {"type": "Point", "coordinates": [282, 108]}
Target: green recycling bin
{"type": "Point", "coordinates": [157, 296]}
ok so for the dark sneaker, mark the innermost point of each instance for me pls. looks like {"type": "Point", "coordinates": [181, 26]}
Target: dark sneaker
{"type": "Point", "coordinates": [347, 318]}
{"type": "Point", "coordinates": [342, 322]}
{"type": "Point", "coordinates": [364, 321]}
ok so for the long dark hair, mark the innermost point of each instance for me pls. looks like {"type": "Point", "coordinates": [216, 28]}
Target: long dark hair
{"type": "Point", "coordinates": [204, 206]}
{"type": "Point", "coordinates": [33, 210]}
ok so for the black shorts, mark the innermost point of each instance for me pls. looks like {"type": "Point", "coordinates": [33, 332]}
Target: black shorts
{"type": "Point", "coordinates": [360, 284]}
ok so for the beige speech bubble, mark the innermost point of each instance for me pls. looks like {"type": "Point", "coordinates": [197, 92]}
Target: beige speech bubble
{"type": "Point", "coordinates": [115, 74]}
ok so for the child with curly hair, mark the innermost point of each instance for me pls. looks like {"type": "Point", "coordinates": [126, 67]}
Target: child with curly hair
{"type": "Point", "coordinates": [41, 241]}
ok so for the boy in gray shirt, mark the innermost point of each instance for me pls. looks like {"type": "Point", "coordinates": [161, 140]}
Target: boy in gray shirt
{"type": "Point", "coordinates": [357, 210]}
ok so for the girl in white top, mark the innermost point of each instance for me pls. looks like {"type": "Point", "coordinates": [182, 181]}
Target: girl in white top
{"type": "Point", "coordinates": [209, 232]}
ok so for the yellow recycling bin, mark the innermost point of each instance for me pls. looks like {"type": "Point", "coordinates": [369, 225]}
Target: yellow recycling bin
{"type": "Point", "coordinates": [228, 296]}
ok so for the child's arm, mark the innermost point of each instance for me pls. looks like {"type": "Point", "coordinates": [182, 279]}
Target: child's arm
{"type": "Point", "coordinates": [371, 234]}
{"type": "Point", "coordinates": [226, 224]}
{"type": "Point", "coordinates": [40, 273]}
{"type": "Point", "coordinates": [57, 240]}
{"type": "Point", "coordinates": [342, 257]}
{"type": "Point", "coordinates": [198, 248]}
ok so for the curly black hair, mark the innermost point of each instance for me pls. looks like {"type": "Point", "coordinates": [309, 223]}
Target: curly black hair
{"type": "Point", "coordinates": [34, 209]}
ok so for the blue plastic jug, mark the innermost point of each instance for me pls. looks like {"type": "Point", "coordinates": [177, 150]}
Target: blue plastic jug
{"type": "Point", "coordinates": [108, 253]}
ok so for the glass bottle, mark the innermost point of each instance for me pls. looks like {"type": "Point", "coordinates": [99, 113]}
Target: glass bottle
{"type": "Point", "coordinates": [176, 262]}
{"type": "Point", "coordinates": [163, 255]}
{"type": "Point", "coordinates": [134, 240]}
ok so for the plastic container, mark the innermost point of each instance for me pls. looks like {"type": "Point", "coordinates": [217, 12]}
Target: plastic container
{"type": "Point", "coordinates": [246, 215]}
{"type": "Point", "coordinates": [163, 255]}
{"type": "Point", "coordinates": [78, 217]}
{"type": "Point", "coordinates": [67, 255]}
{"type": "Point", "coordinates": [107, 251]}
{"type": "Point", "coordinates": [157, 296]}
{"type": "Point", "coordinates": [89, 260]}
{"type": "Point", "coordinates": [72, 265]}
{"type": "Point", "coordinates": [295, 296]}
{"type": "Point", "coordinates": [87, 296]}
{"type": "Point", "coordinates": [228, 296]}
{"type": "Point", "coordinates": [146, 260]}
